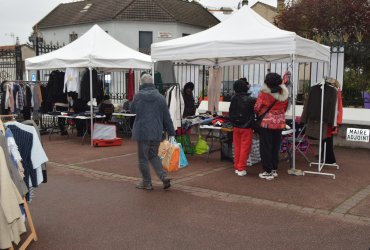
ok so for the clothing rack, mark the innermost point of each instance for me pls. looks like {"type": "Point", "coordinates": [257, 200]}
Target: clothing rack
{"type": "Point", "coordinates": [321, 162]}
{"type": "Point", "coordinates": [33, 235]}
{"type": "Point", "coordinates": [170, 85]}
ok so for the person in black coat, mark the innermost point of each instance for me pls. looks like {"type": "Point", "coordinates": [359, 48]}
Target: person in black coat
{"type": "Point", "coordinates": [240, 113]}
{"type": "Point", "coordinates": [151, 120]}
{"type": "Point", "coordinates": [189, 101]}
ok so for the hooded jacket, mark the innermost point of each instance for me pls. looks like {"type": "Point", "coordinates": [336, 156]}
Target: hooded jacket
{"type": "Point", "coordinates": [275, 118]}
{"type": "Point", "coordinates": [152, 115]}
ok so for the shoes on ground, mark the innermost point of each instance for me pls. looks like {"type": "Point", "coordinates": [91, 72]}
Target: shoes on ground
{"type": "Point", "coordinates": [166, 183]}
{"type": "Point", "coordinates": [141, 185]}
{"type": "Point", "coordinates": [241, 173]}
{"type": "Point", "coordinates": [267, 176]}
{"type": "Point", "coordinates": [274, 173]}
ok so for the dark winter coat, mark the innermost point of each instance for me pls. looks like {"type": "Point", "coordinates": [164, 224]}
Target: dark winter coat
{"type": "Point", "coordinates": [152, 115]}
{"type": "Point", "coordinates": [249, 112]}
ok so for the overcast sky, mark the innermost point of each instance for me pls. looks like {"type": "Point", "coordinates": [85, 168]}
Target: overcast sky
{"type": "Point", "coordinates": [18, 16]}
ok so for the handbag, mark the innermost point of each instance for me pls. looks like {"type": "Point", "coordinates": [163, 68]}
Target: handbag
{"type": "Point", "coordinates": [255, 122]}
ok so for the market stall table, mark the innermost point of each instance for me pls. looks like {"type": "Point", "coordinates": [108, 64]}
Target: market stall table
{"type": "Point", "coordinates": [125, 121]}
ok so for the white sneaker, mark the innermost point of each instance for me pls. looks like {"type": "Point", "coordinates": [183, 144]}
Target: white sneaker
{"type": "Point", "coordinates": [241, 173]}
{"type": "Point", "coordinates": [274, 173]}
{"type": "Point", "coordinates": [267, 176]}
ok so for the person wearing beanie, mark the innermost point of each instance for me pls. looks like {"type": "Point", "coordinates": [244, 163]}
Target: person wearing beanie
{"type": "Point", "coordinates": [189, 101]}
{"type": "Point", "coordinates": [272, 99]}
{"type": "Point", "coordinates": [151, 120]}
{"type": "Point", "coordinates": [240, 114]}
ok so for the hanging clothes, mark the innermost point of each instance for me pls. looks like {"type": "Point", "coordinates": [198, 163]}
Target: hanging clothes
{"type": "Point", "coordinates": [85, 85]}
{"type": "Point", "coordinates": [72, 81]}
{"type": "Point", "coordinates": [36, 154]}
{"type": "Point", "coordinates": [311, 115]}
{"type": "Point", "coordinates": [11, 223]}
{"type": "Point", "coordinates": [176, 105]}
{"type": "Point", "coordinates": [214, 87]}
{"type": "Point", "coordinates": [14, 174]}
{"type": "Point", "coordinates": [130, 85]}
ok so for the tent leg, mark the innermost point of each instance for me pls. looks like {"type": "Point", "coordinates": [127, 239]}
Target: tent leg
{"type": "Point", "coordinates": [293, 170]}
{"type": "Point", "coordinates": [91, 108]}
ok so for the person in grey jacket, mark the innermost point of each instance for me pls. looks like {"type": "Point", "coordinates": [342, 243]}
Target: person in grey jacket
{"type": "Point", "coordinates": [151, 120]}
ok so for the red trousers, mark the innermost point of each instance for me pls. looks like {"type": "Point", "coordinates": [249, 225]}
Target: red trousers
{"type": "Point", "coordinates": [242, 139]}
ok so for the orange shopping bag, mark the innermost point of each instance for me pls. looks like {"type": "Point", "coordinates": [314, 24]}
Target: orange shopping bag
{"type": "Point", "coordinates": [171, 160]}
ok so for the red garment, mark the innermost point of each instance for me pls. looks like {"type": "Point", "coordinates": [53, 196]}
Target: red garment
{"type": "Point", "coordinates": [331, 129]}
{"type": "Point", "coordinates": [130, 90]}
{"type": "Point", "coordinates": [242, 140]}
{"type": "Point", "coordinates": [275, 118]}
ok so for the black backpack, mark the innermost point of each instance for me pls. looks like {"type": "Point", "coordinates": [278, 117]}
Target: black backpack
{"type": "Point", "coordinates": [239, 112]}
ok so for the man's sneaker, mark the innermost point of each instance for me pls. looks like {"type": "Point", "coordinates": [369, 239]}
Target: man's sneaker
{"type": "Point", "coordinates": [267, 176]}
{"type": "Point", "coordinates": [166, 183]}
{"type": "Point", "coordinates": [241, 173]}
{"type": "Point", "coordinates": [274, 173]}
{"type": "Point", "coordinates": [141, 185]}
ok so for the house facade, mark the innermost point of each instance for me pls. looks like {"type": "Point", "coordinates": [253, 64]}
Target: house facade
{"type": "Point", "coordinates": [135, 23]}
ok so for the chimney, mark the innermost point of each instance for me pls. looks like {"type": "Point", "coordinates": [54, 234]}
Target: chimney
{"type": "Point", "coordinates": [244, 2]}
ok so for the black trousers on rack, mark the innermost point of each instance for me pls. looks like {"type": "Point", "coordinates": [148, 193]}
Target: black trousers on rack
{"type": "Point", "coordinates": [270, 141]}
{"type": "Point", "coordinates": [329, 154]}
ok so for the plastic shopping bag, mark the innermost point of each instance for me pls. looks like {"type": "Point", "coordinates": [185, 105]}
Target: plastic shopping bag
{"type": "Point", "coordinates": [186, 144]}
{"type": "Point", "coordinates": [201, 147]}
{"type": "Point", "coordinates": [164, 147]}
{"type": "Point", "coordinates": [171, 160]}
{"type": "Point", "coordinates": [183, 161]}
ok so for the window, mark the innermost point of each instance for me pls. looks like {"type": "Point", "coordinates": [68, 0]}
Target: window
{"type": "Point", "coordinates": [73, 36]}
{"type": "Point", "coordinates": [145, 41]}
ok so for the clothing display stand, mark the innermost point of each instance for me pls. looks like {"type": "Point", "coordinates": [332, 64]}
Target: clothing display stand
{"type": "Point", "coordinates": [32, 236]}
{"type": "Point", "coordinates": [320, 164]}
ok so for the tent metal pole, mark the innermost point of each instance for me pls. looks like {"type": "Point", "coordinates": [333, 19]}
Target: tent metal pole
{"type": "Point", "coordinates": [293, 170]}
{"type": "Point", "coordinates": [153, 73]}
{"type": "Point", "coordinates": [293, 113]}
{"type": "Point", "coordinates": [91, 108]}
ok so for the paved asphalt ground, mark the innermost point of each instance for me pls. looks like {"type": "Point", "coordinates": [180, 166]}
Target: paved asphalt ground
{"type": "Point", "coordinates": [90, 202]}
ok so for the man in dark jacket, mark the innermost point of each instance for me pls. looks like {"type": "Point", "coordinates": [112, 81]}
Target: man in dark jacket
{"type": "Point", "coordinates": [152, 118]}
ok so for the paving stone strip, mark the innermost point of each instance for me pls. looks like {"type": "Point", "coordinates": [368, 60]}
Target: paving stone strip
{"type": "Point", "coordinates": [101, 159]}
{"type": "Point", "coordinates": [352, 201]}
{"type": "Point", "coordinates": [204, 173]}
{"type": "Point", "coordinates": [229, 197]}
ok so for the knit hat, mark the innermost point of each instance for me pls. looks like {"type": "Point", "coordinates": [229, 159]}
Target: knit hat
{"type": "Point", "coordinates": [273, 80]}
{"type": "Point", "coordinates": [189, 85]}
{"type": "Point", "coordinates": [240, 86]}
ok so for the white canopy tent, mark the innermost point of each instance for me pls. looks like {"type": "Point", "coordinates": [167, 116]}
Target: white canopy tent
{"type": "Point", "coordinates": [94, 49]}
{"type": "Point", "coordinates": [243, 38]}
